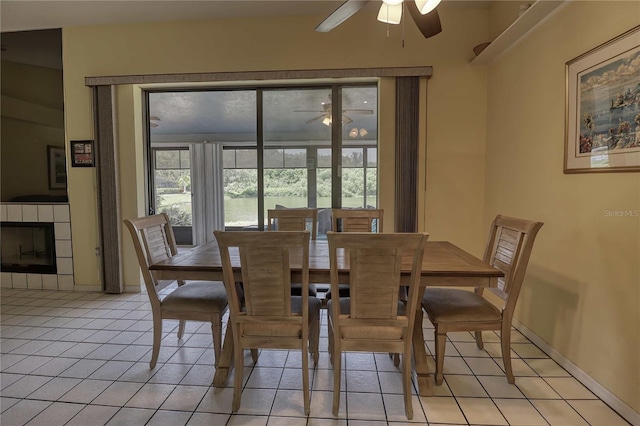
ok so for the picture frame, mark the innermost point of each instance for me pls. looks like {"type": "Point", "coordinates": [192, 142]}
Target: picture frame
{"type": "Point", "coordinates": [82, 154]}
{"type": "Point", "coordinates": [57, 168]}
{"type": "Point", "coordinates": [602, 121]}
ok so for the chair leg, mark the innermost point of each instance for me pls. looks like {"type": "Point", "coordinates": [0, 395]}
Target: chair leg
{"type": "Point", "coordinates": [330, 335]}
{"type": "Point", "coordinates": [441, 340]}
{"type": "Point", "coordinates": [305, 375]}
{"type": "Point", "coordinates": [505, 344]}
{"type": "Point", "coordinates": [337, 361]}
{"type": "Point", "coordinates": [314, 336]}
{"type": "Point", "coordinates": [157, 338]}
{"type": "Point", "coordinates": [238, 354]}
{"type": "Point", "coordinates": [479, 341]}
{"type": "Point", "coordinates": [406, 381]}
{"type": "Point", "coordinates": [216, 332]}
{"type": "Point", "coordinates": [181, 328]}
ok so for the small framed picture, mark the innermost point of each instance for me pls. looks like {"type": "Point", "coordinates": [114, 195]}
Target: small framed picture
{"type": "Point", "coordinates": [82, 154]}
{"type": "Point", "coordinates": [57, 167]}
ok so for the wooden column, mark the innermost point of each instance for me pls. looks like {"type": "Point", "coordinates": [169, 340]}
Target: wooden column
{"type": "Point", "coordinates": [108, 189]}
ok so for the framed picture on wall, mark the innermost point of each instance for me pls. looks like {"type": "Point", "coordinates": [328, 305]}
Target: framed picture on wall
{"type": "Point", "coordinates": [82, 154]}
{"type": "Point", "coordinates": [57, 167]}
{"type": "Point", "coordinates": [603, 107]}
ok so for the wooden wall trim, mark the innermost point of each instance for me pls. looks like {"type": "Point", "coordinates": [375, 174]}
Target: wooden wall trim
{"type": "Point", "coordinates": [108, 189]}
{"type": "Point", "coordinates": [425, 71]}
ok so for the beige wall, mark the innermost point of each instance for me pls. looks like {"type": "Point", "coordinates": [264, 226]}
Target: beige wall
{"type": "Point", "coordinates": [31, 119]}
{"type": "Point", "coordinates": [456, 102]}
{"type": "Point", "coordinates": [582, 290]}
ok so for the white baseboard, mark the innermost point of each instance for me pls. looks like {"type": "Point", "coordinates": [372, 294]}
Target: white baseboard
{"type": "Point", "coordinates": [600, 391]}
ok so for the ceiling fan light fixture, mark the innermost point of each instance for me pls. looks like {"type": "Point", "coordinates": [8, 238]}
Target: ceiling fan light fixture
{"type": "Point", "coordinates": [390, 14]}
{"type": "Point", "coordinates": [363, 132]}
{"type": "Point", "coordinates": [327, 121]}
{"type": "Point", "coordinates": [426, 6]}
{"type": "Point", "coordinates": [353, 133]}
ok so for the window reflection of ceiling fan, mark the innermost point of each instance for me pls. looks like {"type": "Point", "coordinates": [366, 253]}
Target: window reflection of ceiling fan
{"type": "Point", "coordinates": [152, 119]}
{"type": "Point", "coordinates": [423, 12]}
{"type": "Point", "coordinates": [326, 114]}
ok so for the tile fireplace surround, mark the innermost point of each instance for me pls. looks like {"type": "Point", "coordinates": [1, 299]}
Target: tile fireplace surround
{"type": "Point", "coordinates": [58, 214]}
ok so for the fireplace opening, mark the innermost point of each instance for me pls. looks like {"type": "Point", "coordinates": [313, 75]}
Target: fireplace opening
{"type": "Point", "coordinates": [28, 247]}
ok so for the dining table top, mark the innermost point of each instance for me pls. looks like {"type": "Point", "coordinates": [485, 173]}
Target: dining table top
{"type": "Point", "coordinates": [442, 261]}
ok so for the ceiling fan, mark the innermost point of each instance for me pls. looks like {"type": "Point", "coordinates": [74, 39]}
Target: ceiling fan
{"type": "Point", "coordinates": [152, 120]}
{"type": "Point", "coordinates": [423, 12]}
{"type": "Point", "coordinates": [326, 115]}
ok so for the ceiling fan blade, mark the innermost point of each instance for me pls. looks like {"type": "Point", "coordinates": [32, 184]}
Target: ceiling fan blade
{"type": "Point", "coordinates": [341, 14]}
{"type": "Point", "coordinates": [318, 118]}
{"type": "Point", "coordinates": [429, 24]}
{"type": "Point", "coordinates": [307, 110]}
{"type": "Point", "coordinates": [346, 120]}
{"type": "Point", "coordinates": [358, 111]}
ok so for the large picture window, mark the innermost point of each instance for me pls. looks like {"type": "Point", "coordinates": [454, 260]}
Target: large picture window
{"type": "Point", "coordinates": [280, 147]}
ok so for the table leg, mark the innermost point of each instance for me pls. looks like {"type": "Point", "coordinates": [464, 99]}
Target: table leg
{"type": "Point", "coordinates": [225, 364]}
{"type": "Point", "coordinates": [420, 354]}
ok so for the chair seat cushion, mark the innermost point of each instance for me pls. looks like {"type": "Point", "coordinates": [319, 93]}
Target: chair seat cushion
{"type": "Point", "coordinates": [296, 289]}
{"type": "Point", "coordinates": [381, 333]}
{"type": "Point", "coordinates": [278, 329]}
{"type": "Point", "coordinates": [343, 289]}
{"type": "Point", "coordinates": [448, 305]}
{"type": "Point", "coordinates": [198, 296]}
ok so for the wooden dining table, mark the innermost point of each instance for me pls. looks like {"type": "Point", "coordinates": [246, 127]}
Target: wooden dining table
{"type": "Point", "coordinates": [444, 264]}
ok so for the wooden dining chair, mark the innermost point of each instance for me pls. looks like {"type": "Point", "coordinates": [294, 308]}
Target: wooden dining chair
{"type": "Point", "coordinates": [290, 219]}
{"type": "Point", "coordinates": [373, 318]}
{"type": "Point", "coordinates": [294, 219]}
{"type": "Point", "coordinates": [154, 241]}
{"type": "Point", "coordinates": [508, 249]}
{"type": "Point", "coordinates": [355, 220]}
{"type": "Point", "coordinates": [270, 317]}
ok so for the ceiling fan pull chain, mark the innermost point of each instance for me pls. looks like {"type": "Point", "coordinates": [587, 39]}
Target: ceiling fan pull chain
{"type": "Point", "coordinates": [404, 13]}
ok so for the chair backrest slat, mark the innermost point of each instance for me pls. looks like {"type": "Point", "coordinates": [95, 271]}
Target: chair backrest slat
{"type": "Point", "coordinates": [153, 241]}
{"type": "Point", "coordinates": [293, 220]}
{"type": "Point", "coordinates": [375, 266]}
{"type": "Point", "coordinates": [266, 265]}
{"type": "Point", "coordinates": [357, 220]}
{"type": "Point", "coordinates": [508, 249]}
{"type": "Point", "coordinates": [266, 276]}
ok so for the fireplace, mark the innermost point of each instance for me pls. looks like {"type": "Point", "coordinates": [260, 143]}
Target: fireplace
{"type": "Point", "coordinates": [61, 275]}
{"type": "Point", "coordinates": [28, 247]}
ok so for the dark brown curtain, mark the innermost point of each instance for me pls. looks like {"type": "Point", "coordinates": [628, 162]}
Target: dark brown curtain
{"type": "Point", "coordinates": [407, 109]}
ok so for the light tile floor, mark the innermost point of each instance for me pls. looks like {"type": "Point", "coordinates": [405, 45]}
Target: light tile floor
{"type": "Point", "coordinates": [74, 358]}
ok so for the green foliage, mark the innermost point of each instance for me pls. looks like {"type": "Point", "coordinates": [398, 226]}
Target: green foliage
{"type": "Point", "coordinates": [352, 182]}
{"type": "Point", "coordinates": [164, 191]}
{"type": "Point", "coordinates": [177, 216]}
{"type": "Point", "coordinates": [173, 179]}
{"type": "Point", "coordinates": [285, 183]}
{"type": "Point", "coordinates": [241, 183]}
